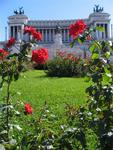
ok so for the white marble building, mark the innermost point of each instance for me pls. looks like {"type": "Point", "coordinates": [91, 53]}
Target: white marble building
{"type": "Point", "coordinates": [47, 27]}
{"type": "Point", "coordinates": [17, 22]}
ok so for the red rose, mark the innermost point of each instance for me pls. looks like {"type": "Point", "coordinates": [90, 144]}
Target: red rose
{"type": "Point", "coordinates": [36, 35]}
{"type": "Point", "coordinates": [10, 42]}
{"type": "Point", "coordinates": [77, 28]}
{"type": "Point", "coordinates": [3, 54]}
{"type": "Point", "coordinates": [40, 56]}
{"type": "Point", "coordinates": [28, 108]}
{"type": "Point", "coordinates": [29, 29]}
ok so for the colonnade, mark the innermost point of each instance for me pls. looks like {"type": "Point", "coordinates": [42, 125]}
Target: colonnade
{"type": "Point", "coordinates": [48, 35]}
{"type": "Point", "coordinates": [16, 31]}
{"type": "Point", "coordinates": [103, 35]}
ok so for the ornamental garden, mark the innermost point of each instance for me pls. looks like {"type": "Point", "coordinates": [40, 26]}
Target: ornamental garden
{"type": "Point", "coordinates": [65, 103]}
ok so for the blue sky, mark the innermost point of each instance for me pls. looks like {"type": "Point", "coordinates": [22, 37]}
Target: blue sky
{"type": "Point", "coordinates": [51, 9]}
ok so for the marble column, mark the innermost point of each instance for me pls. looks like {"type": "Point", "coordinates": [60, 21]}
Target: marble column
{"type": "Point", "coordinates": [16, 34]}
{"type": "Point", "coordinates": [13, 31]}
{"type": "Point", "coordinates": [46, 36]}
{"type": "Point", "coordinates": [68, 35]}
{"type": "Point", "coordinates": [112, 31]}
{"type": "Point", "coordinates": [106, 34]}
{"type": "Point", "coordinates": [19, 33]}
{"type": "Point", "coordinates": [49, 35]}
{"type": "Point", "coordinates": [100, 33]}
{"type": "Point", "coordinates": [42, 35]}
{"type": "Point", "coordinates": [108, 30]}
{"type": "Point", "coordinates": [9, 31]}
{"type": "Point", "coordinates": [104, 31]}
{"type": "Point", "coordinates": [64, 35]}
{"type": "Point", "coordinates": [96, 32]}
{"type": "Point", "coordinates": [53, 34]}
{"type": "Point", "coordinates": [22, 32]}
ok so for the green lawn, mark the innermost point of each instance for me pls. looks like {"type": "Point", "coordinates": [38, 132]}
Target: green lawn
{"type": "Point", "coordinates": [36, 88]}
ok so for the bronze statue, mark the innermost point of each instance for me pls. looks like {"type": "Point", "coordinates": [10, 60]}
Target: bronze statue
{"type": "Point", "coordinates": [15, 12]}
{"type": "Point", "coordinates": [58, 29]}
{"type": "Point", "coordinates": [98, 9]}
{"type": "Point", "coordinates": [20, 12]}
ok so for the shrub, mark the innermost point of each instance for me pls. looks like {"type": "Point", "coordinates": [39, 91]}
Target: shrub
{"type": "Point", "coordinates": [66, 65]}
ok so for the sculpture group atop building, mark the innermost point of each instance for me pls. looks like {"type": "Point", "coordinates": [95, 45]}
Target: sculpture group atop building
{"type": "Point", "coordinates": [20, 12]}
{"type": "Point", "coordinates": [97, 8]}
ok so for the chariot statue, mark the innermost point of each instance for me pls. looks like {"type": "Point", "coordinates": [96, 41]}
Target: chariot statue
{"type": "Point", "coordinates": [97, 8]}
{"type": "Point", "coordinates": [20, 11]}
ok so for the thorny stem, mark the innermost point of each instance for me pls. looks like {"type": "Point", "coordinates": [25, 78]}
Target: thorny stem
{"type": "Point", "coordinates": [7, 104]}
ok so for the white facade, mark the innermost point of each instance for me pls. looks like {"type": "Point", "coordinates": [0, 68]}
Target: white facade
{"type": "Point", "coordinates": [47, 27]}
{"type": "Point", "coordinates": [16, 25]}
{"type": "Point", "coordinates": [17, 22]}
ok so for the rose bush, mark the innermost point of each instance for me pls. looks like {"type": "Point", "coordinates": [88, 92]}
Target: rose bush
{"type": "Point", "coordinates": [66, 64]}
{"type": "Point", "coordinates": [98, 114]}
{"type": "Point", "coordinates": [11, 65]}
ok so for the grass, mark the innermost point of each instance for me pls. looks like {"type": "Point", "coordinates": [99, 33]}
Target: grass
{"type": "Point", "coordinates": [36, 88]}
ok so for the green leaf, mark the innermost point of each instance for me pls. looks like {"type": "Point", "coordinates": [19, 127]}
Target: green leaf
{"type": "Point", "coordinates": [97, 68]}
{"type": "Point", "coordinates": [109, 75]}
{"type": "Point", "coordinates": [17, 127]}
{"type": "Point", "coordinates": [72, 44]}
{"type": "Point", "coordinates": [101, 29]}
{"type": "Point", "coordinates": [92, 48]}
{"type": "Point", "coordinates": [107, 71]}
{"type": "Point", "coordinates": [16, 76]}
{"type": "Point", "coordinates": [106, 78]}
{"type": "Point", "coordinates": [97, 45]}
{"type": "Point", "coordinates": [107, 54]}
{"type": "Point", "coordinates": [80, 41]}
{"type": "Point", "coordinates": [95, 56]}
